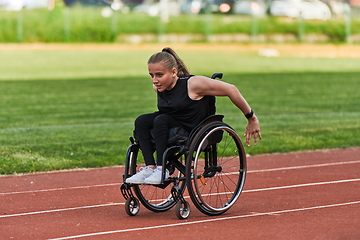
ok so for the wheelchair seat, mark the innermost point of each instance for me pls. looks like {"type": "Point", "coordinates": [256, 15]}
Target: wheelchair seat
{"type": "Point", "coordinates": [180, 136]}
{"type": "Point", "coordinates": [177, 135]}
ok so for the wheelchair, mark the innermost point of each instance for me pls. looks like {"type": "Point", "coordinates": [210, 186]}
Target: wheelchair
{"type": "Point", "coordinates": [210, 162]}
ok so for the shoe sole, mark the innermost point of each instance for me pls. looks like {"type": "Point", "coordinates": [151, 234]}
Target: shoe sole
{"type": "Point", "coordinates": [134, 182]}
{"type": "Point", "coordinates": [154, 183]}
{"type": "Point", "coordinates": [151, 183]}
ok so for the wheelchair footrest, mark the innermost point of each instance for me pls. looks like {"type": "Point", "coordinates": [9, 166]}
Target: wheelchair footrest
{"type": "Point", "coordinates": [177, 194]}
{"type": "Point", "coordinates": [125, 189]}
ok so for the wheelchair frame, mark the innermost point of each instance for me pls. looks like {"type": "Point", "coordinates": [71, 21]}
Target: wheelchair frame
{"type": "Point", "coordinates": [217, 175]}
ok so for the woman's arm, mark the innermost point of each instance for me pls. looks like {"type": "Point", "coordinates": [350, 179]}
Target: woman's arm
{"type": "Point", "coordinates": [199, 86]}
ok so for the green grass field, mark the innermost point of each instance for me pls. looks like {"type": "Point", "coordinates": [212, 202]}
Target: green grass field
{"type": "Point", "coordinates": [75, 109]}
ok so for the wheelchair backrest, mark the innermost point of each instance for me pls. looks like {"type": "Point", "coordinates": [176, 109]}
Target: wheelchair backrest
{"type": "Point", "coordinates": [211, 105]}
{"type": "Point", "coordinates": [212, 99]}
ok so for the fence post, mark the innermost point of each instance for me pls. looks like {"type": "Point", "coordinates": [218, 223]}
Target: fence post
{"type": "Point", "coordinates": [348, 26]}
{"type": "Point", "coordinates": [20, 26]}
{"type": "Point", "coordinates": [114, 24]}
{"type": "Point", "coordinates": [161, 30]}
{"type": "Point", "coordinates": [163, 19]}
{"type": "Point", "coordinates": [66, 12]}
{"type": "Point", "coordinates": [254, 28]}
{"type": "Point", "coordinates": [208, 21]}
{"type": "Point", "coordinates": [300, 28]}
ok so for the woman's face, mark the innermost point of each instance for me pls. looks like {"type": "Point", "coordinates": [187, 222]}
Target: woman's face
{"type": "Point", "coordinates": [162, 78]}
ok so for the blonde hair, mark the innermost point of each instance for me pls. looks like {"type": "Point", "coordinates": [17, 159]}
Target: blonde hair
{"type": "Point", "coordinates": [171, 60]}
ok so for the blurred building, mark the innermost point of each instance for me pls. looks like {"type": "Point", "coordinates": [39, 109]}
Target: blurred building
{"type": "Point", "coordinates": [354, 3]}
{"type": "Point", "coordinates": [88, 2]}
{"type": "Point", "coordinates": [17, 5]}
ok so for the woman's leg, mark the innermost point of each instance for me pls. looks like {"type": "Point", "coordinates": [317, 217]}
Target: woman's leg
{"type": "Point", "coordinates": [143, 125]}
{"type": "Point", "coordinates": [161, 126]}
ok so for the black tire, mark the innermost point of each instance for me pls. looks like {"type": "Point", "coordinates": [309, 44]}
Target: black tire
{"type": "Point", "coordinates": [153, 197]}
{"type": "Point", "coordinates": [182, 210]}
{"type": "Point", "coordinates": [217, 165]}
{"type": "Point", "coordinates": [132, 206]}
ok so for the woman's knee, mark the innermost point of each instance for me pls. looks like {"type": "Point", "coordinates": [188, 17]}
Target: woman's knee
{"type": "Point", "coordinates": [162, 121]}
{"type": "Point", "coordinates": [144, 120]}
{"type": "Point", "coordinates": [139, 120]}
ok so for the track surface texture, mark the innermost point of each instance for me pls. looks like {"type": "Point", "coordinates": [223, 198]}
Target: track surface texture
{"type": "Point", "coordinates": [303, 195]}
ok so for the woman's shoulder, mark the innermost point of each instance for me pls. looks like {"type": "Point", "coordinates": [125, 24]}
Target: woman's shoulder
{"type": "Point", "coordinates": [198, 80]}
{"type": "Point", "coordinates": [187, 77]}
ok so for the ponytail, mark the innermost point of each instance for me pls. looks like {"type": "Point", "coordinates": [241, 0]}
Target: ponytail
{"type": "Point", "coordinates": [171, 60]}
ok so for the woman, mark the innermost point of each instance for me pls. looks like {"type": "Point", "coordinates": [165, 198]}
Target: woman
{"type": "Point", "coordinates": [181, 103]}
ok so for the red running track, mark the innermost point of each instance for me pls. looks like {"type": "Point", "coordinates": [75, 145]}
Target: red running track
{"type": "Point", "coordinates": [306, 195]}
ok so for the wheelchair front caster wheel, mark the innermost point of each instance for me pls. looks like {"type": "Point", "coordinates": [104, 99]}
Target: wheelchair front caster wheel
{"type": "Point", "coordinates": [132, 206]}
{"type": "Point", "coordinates": [182, 210]}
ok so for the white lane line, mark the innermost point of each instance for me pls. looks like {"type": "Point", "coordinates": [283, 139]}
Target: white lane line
{"type": "Point", "coordinates": [302, 185]}
{"type": "Point", "coordinates": [288, 187]}
{"type": "Point", "coordinates": [60, 210]}
{"type": "Point", "coordinates": [245, 191]}
{"type": "Point", "coordinates": [60, 189]}
{"type": "Point", "coordinates": [250, 171]}
{"type": "Point", "coordinates": [208, 220]}
{"type": "Point", "coordinates": [304, 166]}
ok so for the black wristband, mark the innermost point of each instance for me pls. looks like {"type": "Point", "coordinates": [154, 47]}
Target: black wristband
{"type": "Point", "coordinates": [250, 114]}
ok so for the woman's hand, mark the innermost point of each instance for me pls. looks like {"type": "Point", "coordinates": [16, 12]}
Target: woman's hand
{"type": "Point", "coordinates": [252, 128]}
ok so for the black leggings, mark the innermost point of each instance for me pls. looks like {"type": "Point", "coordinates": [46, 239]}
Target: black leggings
{"type": "Point", "coordinates": [160, 123]}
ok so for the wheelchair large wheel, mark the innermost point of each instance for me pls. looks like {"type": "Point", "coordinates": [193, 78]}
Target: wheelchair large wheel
{"type": "Point", "coordinates": [217, 165]}
{"type": "Point", "coordinates": [153, 197]}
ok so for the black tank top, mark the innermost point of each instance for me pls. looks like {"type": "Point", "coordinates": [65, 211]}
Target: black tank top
{"type": "Point", "coordinates": [177, 104]}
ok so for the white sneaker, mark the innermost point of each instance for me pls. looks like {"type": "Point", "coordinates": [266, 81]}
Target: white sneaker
{"type": "Point", "coordinates": [155, 178]}
{"type": "Point", "coordinates": [139, 177]}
